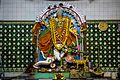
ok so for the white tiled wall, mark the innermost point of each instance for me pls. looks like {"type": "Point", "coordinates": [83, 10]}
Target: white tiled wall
{"type": "Point", "coordinates": [29, 9]}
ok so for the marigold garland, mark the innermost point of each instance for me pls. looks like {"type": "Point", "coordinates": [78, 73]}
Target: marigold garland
{"type": "Point", "coordinates": [53, 26]}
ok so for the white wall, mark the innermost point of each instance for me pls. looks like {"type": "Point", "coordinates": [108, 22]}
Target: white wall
{"type": "Point", "coordinates": [29, 9]}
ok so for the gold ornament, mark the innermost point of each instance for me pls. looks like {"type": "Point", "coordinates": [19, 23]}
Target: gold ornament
{"type": "Point", "coordinates": [103, 26]}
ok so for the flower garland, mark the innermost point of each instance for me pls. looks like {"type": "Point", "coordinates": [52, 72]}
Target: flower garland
{"type": "Point", "coordinates": [53, 26]}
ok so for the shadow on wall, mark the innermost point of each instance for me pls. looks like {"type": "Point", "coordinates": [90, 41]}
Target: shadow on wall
{"type": "Point", "coordinates": [90, 1]}
{"type": "Point", "coordinates": [0, 2]}
{"type": "Point", "coordinates": [29, 0]}
{"type": "Point", "coordinates": [63, 0]}
{"type": "Point", "coordinates": [59, 0]}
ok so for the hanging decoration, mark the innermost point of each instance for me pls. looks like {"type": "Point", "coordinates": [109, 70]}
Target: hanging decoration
{"type": "Point", "coordinates": [61, 33]}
